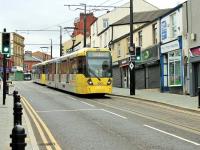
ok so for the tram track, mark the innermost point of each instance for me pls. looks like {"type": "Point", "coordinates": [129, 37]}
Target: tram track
{"type": "Point", "coordinates": [150, 117]}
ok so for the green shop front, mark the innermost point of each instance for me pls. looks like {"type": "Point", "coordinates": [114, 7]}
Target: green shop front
{"type": "Point", "coordinates": [148, 69]}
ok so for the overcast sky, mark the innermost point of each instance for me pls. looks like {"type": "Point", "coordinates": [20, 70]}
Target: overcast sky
{"type": "Point", "coordinates": [49, 14]}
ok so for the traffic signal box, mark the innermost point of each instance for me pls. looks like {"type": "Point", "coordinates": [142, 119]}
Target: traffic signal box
{"type": "Point", "coordinates": [136, 52]}
{"type": "Point", "coordinates": [6, 44]}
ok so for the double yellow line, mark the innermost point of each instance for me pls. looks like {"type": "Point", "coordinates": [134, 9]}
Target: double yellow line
{"type": "Point", "coordinates": [40, 124]}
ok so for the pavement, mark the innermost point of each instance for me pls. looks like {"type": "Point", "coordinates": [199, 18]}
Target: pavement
{"type": "Point", "coordinates": [6, 124]}
{"type": "Point", "coordinates": [153, 95]}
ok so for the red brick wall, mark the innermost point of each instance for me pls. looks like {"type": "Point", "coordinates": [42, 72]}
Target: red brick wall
{"type": "Point", "coordinates": [28, 65]}
{"type": "Point", "coordinates": [80, 24]}
{"type": "Point", "coordinates": [41, 55]}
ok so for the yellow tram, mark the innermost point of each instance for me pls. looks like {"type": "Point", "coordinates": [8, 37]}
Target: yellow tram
{"type": "Point", "coordinates": [86, 71]}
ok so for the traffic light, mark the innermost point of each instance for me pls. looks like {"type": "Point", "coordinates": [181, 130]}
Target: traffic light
{"type": "Point", "coordinates": [132, 50]}
{"type": "Point", "coordinates": [138, 53]}
{"type": "Point", "coordinates": [6, 44]}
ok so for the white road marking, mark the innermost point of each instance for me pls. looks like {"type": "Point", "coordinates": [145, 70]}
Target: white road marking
{"type": "Point", "coordinates": [65, 110]}
{"type": "Point", "coordinates": [73, 98]}
{"type": "Point", "coordinates": [172, 135]}
{"type": "Point", "coordinates": [114, 114]}
{"type": "Point", "coordinates": [87, 104]}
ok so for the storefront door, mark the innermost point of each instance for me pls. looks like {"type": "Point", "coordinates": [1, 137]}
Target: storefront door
{"type": "Point", "coordinates": [197, 77]}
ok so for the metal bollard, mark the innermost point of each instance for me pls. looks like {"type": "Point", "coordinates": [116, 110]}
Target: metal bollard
{"type": "Point", "coordinates": [17, 113]}
{"type": "Point", "coordinates": [18, 138]}
{"type": "Point", "coordinates": [15, 93]}
{"type": "Point", "coordinates": [199, 97]}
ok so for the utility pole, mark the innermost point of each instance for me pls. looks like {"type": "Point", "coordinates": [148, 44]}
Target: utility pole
{"type": "Point", "coordinates": [85, 25]}
{"type": "Point", "coordinates": [132, 53]}
{"type": "Point", "coordinates": [51, 47]}
{"type": "Point", "coordinates": [61, 50]}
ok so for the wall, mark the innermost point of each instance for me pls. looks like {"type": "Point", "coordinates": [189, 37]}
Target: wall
{"type": "Point", "coordinates": [193, 15]}
{"type": "Point", "coordinates": [29, 65]}
{"type": "Point", "coordinates": [115, 15]}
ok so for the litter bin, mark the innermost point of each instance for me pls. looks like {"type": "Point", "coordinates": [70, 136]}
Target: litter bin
{"type": "Point", "coordinates": [9, 87]}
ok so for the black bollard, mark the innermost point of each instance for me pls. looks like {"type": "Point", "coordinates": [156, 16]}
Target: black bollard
{"type": "Point", "coordinates": [18, 138]}
{"type": "Point", "coordinates": [199, 96]}
{"type": "Point", "coordinates": [17, 113]}
{"type": "Point", "coordinates": [15, 93]}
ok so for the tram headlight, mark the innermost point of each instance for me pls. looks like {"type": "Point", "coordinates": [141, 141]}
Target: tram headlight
{"type": "Point", "coordinates": [89, 81]}
{"type": "Point", "coordinates": [109, 82]}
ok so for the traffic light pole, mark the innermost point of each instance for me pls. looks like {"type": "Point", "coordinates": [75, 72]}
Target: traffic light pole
{"type": "Point", "coordinates": [132, 53]}
{"type": "Point", "coordinates": [4, 78]}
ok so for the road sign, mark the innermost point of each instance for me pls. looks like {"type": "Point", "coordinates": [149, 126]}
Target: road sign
{"type": "Point", "coordinates": [131, 65]}
{"type": "Point", "coordinates": [132, 58]}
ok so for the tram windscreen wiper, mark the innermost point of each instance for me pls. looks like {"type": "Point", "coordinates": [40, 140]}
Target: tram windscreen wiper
{"type": "Point", "coordinates": [92, 71]}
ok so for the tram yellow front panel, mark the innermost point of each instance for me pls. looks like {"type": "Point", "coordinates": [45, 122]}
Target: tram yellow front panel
{"type": "Point", "coordinates": [43, 79]}
{"type": "Point", "coordinates": [99, 86]}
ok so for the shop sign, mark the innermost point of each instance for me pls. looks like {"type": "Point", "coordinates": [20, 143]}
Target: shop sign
{"type": "Point", "coordinates": [150, 53]}
{"type": "Point", "coordinates": [170, 46]}
{"type": "Point", "coordinates": [195, 51]}
{"type": "Point", "coordinates": [124, 62]}
{"type": "Point", "coordinates": [164, 30]}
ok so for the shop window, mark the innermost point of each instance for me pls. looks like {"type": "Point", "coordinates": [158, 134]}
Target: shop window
{"type": "Point", "coordinates": [173, 25]}
{"type": "Point", "coordinates": [105, 23]}
{"type": "Point", "coordinates": [174, 60]}
{"type": "Point", "coordinates": [140, 38]}
{"type": "Point", "coordinates": [155, 32]}
{"type": "Point", "coordinates": [118, 50]}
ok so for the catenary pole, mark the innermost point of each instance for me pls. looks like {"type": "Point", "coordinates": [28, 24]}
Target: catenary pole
{"type": "Point", "coordinates": [132, 48]}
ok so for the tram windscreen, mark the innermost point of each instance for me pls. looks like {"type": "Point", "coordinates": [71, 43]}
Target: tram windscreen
{"type": "Point", "coordinates": [99, 64]}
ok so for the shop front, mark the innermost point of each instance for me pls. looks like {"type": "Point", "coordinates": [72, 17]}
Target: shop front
{"type": "Point", "coordinates": [172, 68]}
{"type": "Point", "coordinates": [194, 71]}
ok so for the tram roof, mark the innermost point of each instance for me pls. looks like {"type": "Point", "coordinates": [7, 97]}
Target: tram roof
{"type": "Point", "coordinates": [81, 52]}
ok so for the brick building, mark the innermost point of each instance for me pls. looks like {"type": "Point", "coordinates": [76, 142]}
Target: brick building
{"type": "Point", "coordinates": [41, 55]}
{"type": "Point", "coordinates": [29, 61]}
{"type": "Point", "coordinates": [79, 24]}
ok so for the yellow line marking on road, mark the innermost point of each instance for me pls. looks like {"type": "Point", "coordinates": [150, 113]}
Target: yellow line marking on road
{"type": "Point", "coordinates": [195, 143]}
{"type": "Point", "coordinates": [44, 140]}
{"type": "Point", "coordinates": [52, 139]}
{"type": "Point", "coordinates": [65, 110]}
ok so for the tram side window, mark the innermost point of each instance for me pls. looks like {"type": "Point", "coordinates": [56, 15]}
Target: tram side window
{"type": "Point", "coordinates": [81, 65]}
{"type": "Point", "coordinates": [73, 69]}
{"type": "Point", "coordinates": [43, 69]}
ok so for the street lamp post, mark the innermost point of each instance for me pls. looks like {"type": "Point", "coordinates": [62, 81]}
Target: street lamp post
{"type": "Point", "coordinates": [43, 57]}
{"type": "Point", "coordinates": [60, 40]}
{"type": "Point", "coordinates": [51, 49]}
{"type": "Point", "coordinates": [73, 42]}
